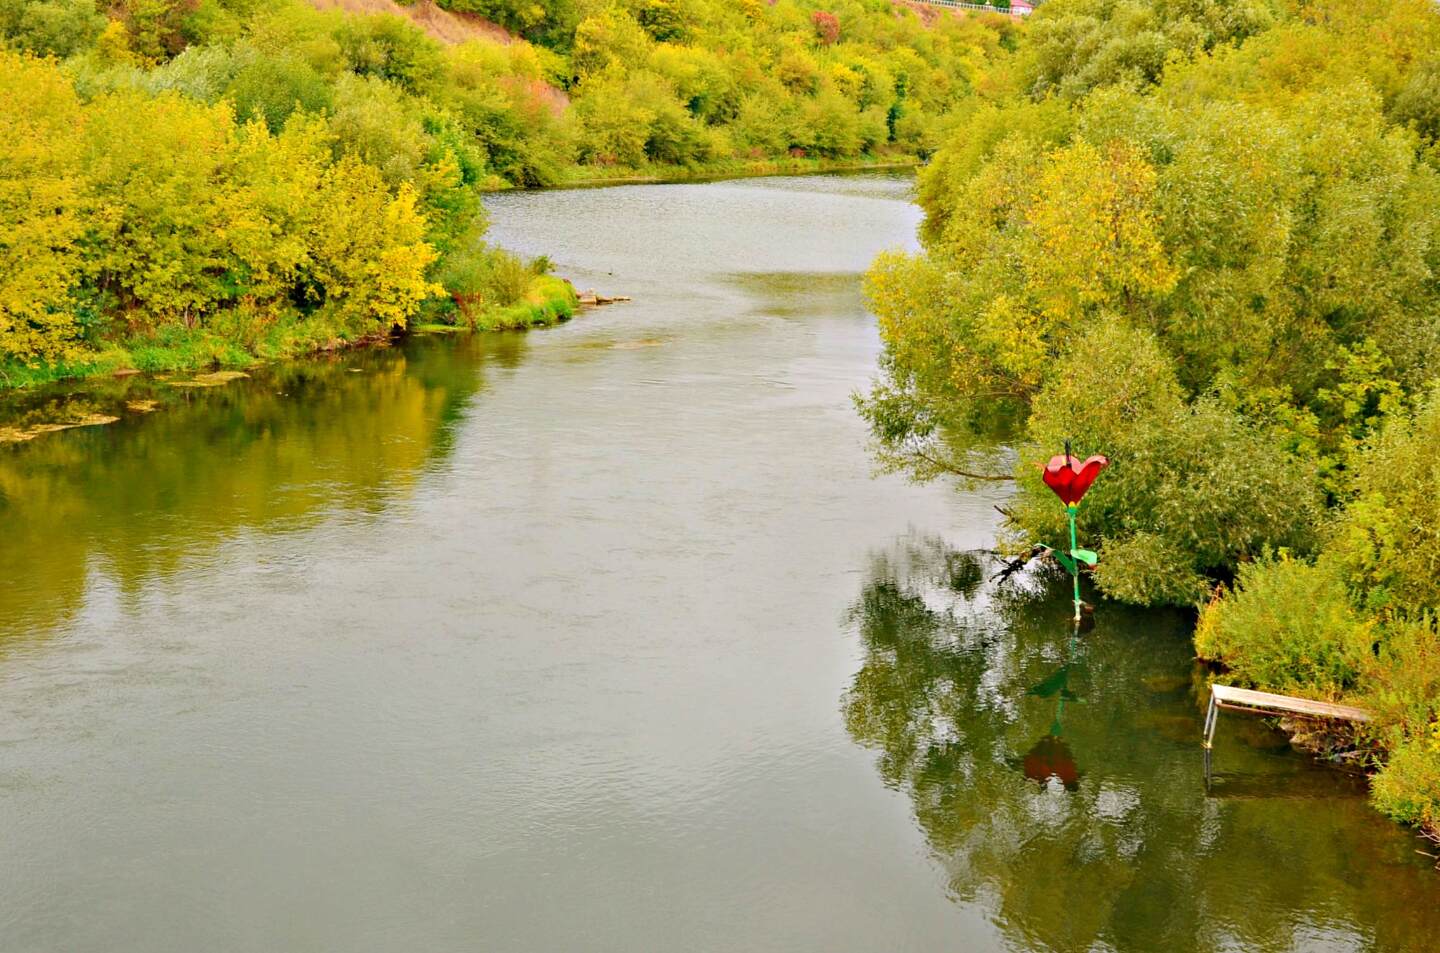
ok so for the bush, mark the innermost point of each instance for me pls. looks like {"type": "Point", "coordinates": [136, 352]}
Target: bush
{"type": "Point", "coordinates": [1403, 681]}
{"type": "Point", "coordinates": [507, 278]}
{"type": "Point", "coordinates": [390, 48]}
{"type": "Point", "coordinates": [1288, 627]}
{"type": "Point", "coordinates": [271, 88]}
{"type": "Point", "coordinates": [42, 204]}
{"type": "Point", "coordinates": [1402, 688]}
{"type": "Point", "coordinates": [1408, 786]}
{"type": "Point", "coordinates": [51, 27]}
{"type": "Point", "coordinates": [827, 27]}
{"type": "Point", "coordinates": [1389, 540]}
{"type": "Point", "coordinates": [1192, 492]}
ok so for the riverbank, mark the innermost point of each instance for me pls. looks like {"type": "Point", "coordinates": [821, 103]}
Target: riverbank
{"type": "Point", "coordinates": [549, 300]}
{"type": "Point", "coordinates": [592, 176]}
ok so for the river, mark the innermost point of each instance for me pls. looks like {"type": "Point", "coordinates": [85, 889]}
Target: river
{"type": "Point", "coordinates": [607, 638]}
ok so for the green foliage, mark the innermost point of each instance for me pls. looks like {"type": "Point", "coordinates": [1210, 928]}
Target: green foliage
{"type": "Point", "coordinates": [1389, 536]}
{"type": "Point", "coordinates": [667, 21]}
{"type": "Point", "coordinates": [616, 85]}
{"type": "Point", "coordinates": [391, 49]}
{"type": "Point", "coordinates": [549, 21]}
{"type": "Point", "coordinates": [156, 28]}
{"type": "Point", "coordinates": [635, 119]}
{"type": "Point", "coordinates": [549, 301]}
{"type": "Point", "coordinates": [1292, 626]}
{"type": "Point", "coordinates": [1193, 489]}
{"type": "Point", "coordinates": [1404, 691]}
{"type": "Point", "coordinates": [762, 81]}
{"type": "Point", "coordinates": [1274, 251]}
{"type": "Point", "coordinates": [262, 173]}
{"type": "Point", "coordinates": [273, 88]}
{"type": "Point", "coordinates": [1078, 45]}
{"type": "Point", "coordinates": [1418, 102]}
{"type": "Point", "coordinates": [1289, 627]}
{"type": "Point", "coordinates": [50, 27]}
{"type": "Point", "coordinates": [1201, 237]}
{"type": "Point", "coordinates": [1403, 682]}
{"type": "Point", "coordinates": [157, 214]}
{"type": "Point", "coordinates": [1408, 786]}
{"type": "Point", "coordinates": [42, 211]}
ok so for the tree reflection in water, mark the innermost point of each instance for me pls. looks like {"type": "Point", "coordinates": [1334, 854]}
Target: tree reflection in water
{"type": "Point", "coordinates": [297, 444]}
{"type": "Point", "coordinates": [983, 707]}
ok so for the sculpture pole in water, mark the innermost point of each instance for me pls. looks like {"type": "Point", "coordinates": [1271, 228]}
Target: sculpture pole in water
{"type": "Point", "coordinates": [1070, 478]}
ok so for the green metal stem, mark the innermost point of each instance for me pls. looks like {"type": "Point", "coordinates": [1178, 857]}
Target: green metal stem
{"type": "Point", "coordinates": [1070, 511]}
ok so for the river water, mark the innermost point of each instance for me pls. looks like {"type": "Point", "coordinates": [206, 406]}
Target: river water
{"type": "Point", "coordinates": [606, 637]}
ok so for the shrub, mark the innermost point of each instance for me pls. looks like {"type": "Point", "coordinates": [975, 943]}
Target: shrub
{"type": "Point", "coordinates": [507, 278]}
{"type": "Point", "coordinates": [664, 20]}
{"type": "Point", "coordinates": [390, 48]}
{"type": "Point", "coordinates": [1403, 681]}
{"type": "Point", "coordinates": [271, 88]}
{"type": "Point", "coordinates": [1289, 627]}
{"type": "Point", "coordinates": [51, 27]}
{"type": "Point", "coordinates": [1408, 786]}
{"type": "Point", "coordinates": [827, 27]}
{"type": "Point", "coordinates": [1389, 540]}
{"type": "Point", "coordinates": [1402, 688]}
{"type": "Point", "coordinates": [41, 207]}
{"type": "Point", "coordinates": [1192, 491]}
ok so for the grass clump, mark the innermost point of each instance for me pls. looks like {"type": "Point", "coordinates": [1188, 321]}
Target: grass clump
{"type": "Point", "coordinates": [493, 290]}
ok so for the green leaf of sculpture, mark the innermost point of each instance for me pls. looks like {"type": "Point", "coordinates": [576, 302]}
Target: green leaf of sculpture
{"type": "Point", "coordinates": [1085, 556]}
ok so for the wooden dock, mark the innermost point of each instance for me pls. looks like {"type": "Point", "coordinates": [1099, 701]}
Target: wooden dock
{"type": "Point", "coordinates": [1265, 703]}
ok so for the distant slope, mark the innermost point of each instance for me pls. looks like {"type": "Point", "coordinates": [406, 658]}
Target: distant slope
{"type": "Point", "coordinates": [443, 25]}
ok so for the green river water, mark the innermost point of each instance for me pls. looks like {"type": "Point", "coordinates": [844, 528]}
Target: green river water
{"type": "Point", "coordinates": [606, 637]}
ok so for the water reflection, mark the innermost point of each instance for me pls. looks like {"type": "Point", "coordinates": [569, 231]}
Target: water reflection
{"type": "Point", "coordinates": [185, 467]}
{"type": "Point", "coordinates": [1058, 779]}
{"type": "Point", "coordinates": [1049, 759]}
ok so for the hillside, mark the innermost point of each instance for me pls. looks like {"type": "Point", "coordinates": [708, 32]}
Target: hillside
{"type": "Point", "coordinates": [446, 26]}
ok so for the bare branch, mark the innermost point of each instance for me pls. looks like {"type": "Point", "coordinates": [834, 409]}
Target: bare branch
{"type": "Point", "coordinates": [948, 467]}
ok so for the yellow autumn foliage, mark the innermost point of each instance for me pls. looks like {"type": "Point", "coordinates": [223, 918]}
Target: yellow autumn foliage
{"type": "Point", "coordinates": [1093, 232]}
{"type": "Point", "coordinates": [160, 211]}
{"type": "Point", "coordinates": [41, 209]}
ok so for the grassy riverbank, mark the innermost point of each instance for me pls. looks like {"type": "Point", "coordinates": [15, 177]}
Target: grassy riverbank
{"type": "Point", "coordinates": [547, 300]}
{"type": "Point", "coordinates": [585, 176]}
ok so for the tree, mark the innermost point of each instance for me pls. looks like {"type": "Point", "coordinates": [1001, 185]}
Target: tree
{"type": "Point", "coordinates": [827, 27]}
{"type": "Point", "coordinates": [51, 27]}
{"type": "Point", "coordinates": [42, 210]}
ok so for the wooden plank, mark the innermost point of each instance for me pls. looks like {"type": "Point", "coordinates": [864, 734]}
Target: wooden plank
{"type": "Point", "coordinates": [1248, 699]}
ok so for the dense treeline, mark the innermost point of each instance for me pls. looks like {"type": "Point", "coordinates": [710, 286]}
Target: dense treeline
{"type": "Point", "coordinates": [683, 81]}
{"type": "Point", "coordinates": [187, 182]}
{"type": "Point", "coordinates": [1204, 238]}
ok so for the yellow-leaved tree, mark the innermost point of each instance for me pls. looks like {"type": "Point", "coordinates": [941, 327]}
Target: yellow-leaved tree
{"type": "Point", "coordinates": [368, 250]}
{"type": "Point", "coordinates": [1094, 239]}
{"type": "Point", "coordinates": [41, 209]}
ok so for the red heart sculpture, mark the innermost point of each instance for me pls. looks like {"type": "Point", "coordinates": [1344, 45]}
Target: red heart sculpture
{"type": "Point", "coordinates": [1070, 478]}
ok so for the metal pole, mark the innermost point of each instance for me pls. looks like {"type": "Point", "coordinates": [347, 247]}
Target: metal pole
{"type": "Point", "coordinates": [1075, 573]}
